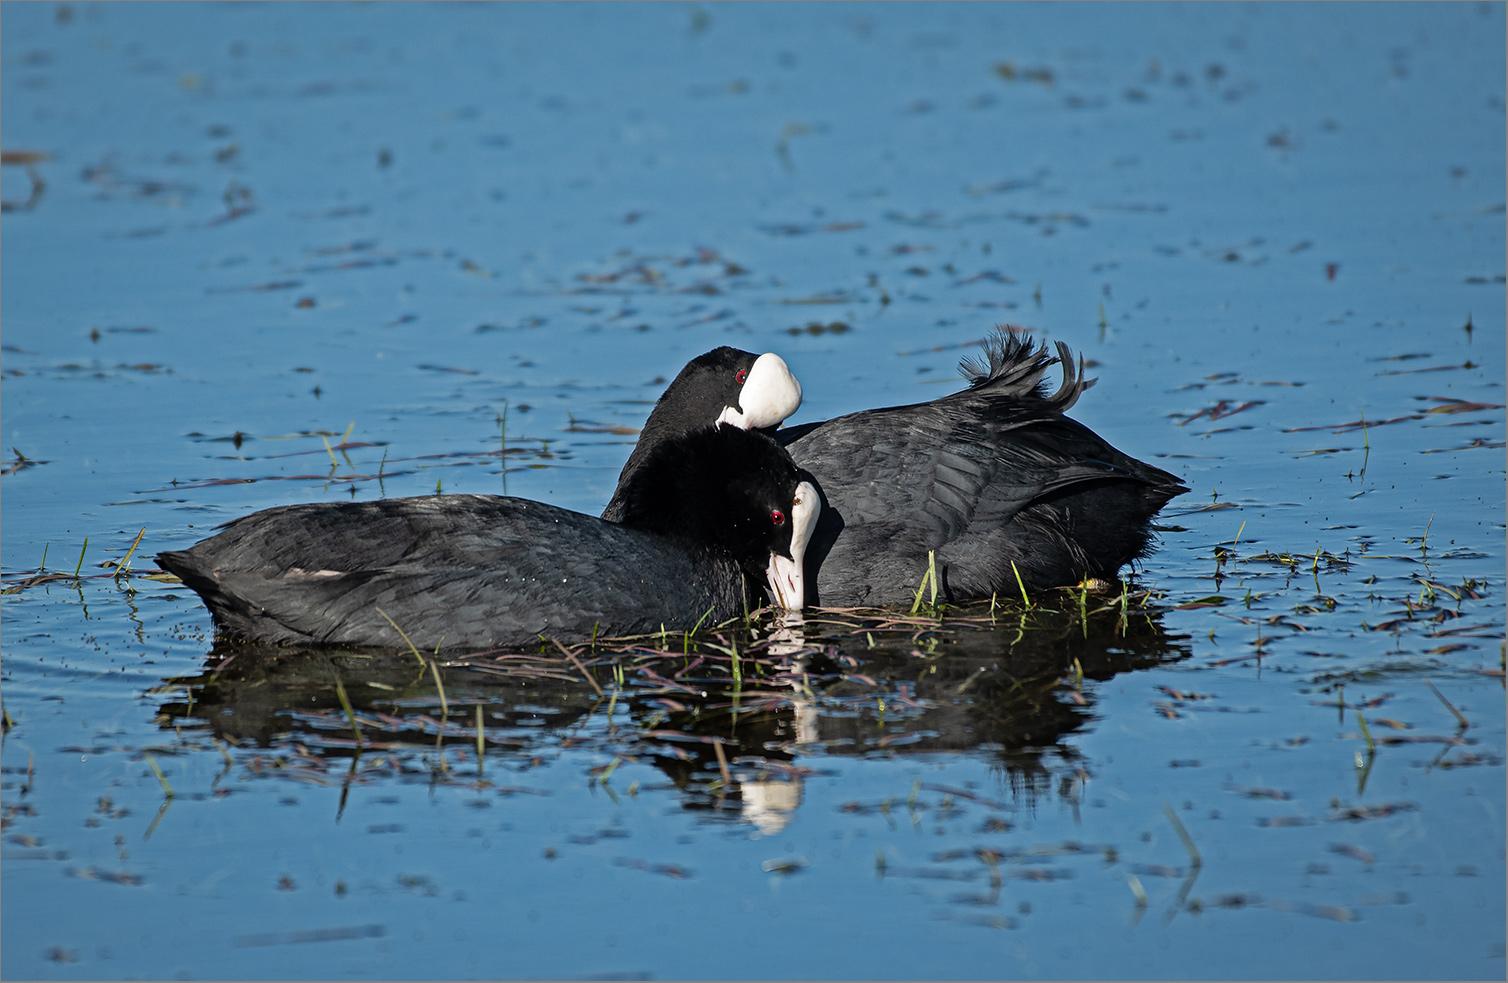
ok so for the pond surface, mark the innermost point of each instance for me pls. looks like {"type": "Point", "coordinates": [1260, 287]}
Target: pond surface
{"type": "Point", "coordinates": [264, 254]}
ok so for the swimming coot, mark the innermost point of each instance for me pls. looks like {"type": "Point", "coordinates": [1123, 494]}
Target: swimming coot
{"type": "Point", "coordinates": [713, 519]}
{"type": "Point", "coordinates": [753, 392]}
{"type": "Point", "coordinates": [988, 477]}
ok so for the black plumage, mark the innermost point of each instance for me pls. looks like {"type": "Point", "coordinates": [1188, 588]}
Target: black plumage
{"type": "Point", "coordinates": [723, 386]}
{"type": "Point", "coordinates": [994, 480]}
{"type": "Point", "coordinates": [479, 571]}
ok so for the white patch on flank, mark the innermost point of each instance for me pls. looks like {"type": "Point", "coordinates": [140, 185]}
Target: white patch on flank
{"type": "Point", "coordinates": [770, 394]}
{"type": "Point", "coordinates": [298, 573]}
{"type": "Point", "coordinates": [787, 579]}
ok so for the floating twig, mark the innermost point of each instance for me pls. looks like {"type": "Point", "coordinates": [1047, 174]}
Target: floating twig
{"type": "Point", "coordinates": [1448, 705]}
{"type": "Point", "coordinates": [580, 668]}
{"type": "Point", "coordinates": [1024, 599]}
{"type": "Point", "coordinates": [481, 743]}
{"type": "Point", "coordinates": [722, 762]}
{"type": "Point", "coordinates": [345, 703]}
{"type": "Point", "coordinates": [1183, 834]}
{"type": "Point", "coordinates": [125, 562]}
{"type": "Point", "coordinates": [434, 669]}
{"type": "Point", "coordinates": [168, 789]}
{"type": "Point", "coordinates": [404, 636]}
{"type": "Point", "coordinates": [929, 577]}
{"type": "Point", "coordinates": [1366, 733]}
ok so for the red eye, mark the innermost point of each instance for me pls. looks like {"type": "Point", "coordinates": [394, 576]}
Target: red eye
{"type": "Point", "coordinates": [777, 517]}
{"type": "Point", "coordinates": [742, 377]}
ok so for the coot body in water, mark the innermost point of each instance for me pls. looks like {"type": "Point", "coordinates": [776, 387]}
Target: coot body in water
{"type": "Point", "coordinates": [994, 480]}
{"type": "Point", "coordinates": [709, 515]}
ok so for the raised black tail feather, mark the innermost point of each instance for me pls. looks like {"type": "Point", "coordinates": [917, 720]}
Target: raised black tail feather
{"type": "Point", "coordinates": [1014, 366]}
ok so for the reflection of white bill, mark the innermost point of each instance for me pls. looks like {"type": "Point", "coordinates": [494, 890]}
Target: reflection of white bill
{"type": "Point", "coordinates": [806, 721]}
{"type": "Point", "coordinates": [788, 639]}
{"type": "Point", "coordinates": [770, 805]}
{"type": "Point", "coordinates": [789, 636]}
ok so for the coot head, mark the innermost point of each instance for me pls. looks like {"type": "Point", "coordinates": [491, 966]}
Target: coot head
{"type": "Point", "coordinates": [735, 492]}
{"type": "Point", "coordinates": [748, 391]}
{"type": "Point", "coordinates": [726, 385]}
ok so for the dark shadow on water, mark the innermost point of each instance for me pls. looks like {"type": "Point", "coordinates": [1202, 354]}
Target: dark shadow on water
{"type": "Point", "coordinates": [735, 719]}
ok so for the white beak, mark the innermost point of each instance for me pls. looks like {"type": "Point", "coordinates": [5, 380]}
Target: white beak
{"type": "Point", "coordinates": [770, 394]}
{"type": "Point", "coordinates": [787, 579]}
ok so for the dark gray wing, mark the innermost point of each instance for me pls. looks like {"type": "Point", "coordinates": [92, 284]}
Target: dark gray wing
{"type": "Point", "coordinates": [986, 477]}
{"type": "Point", "coordinates": [471, 570]}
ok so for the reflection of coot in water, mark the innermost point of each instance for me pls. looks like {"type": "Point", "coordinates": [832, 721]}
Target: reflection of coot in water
{"type": "Point", "coordinates": [1015, 694]}
{"type": "Point", "coordinates": [708, 515]}
{"type": "Point", "coordinates": [999, 691]}
{"type": "Point", "coordinates": [263, 695]}
{"type": "Point", "coordinates": [994, 479]}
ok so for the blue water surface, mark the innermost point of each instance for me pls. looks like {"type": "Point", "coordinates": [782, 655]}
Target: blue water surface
{"type": "Point", "coordinates": [257, 254]}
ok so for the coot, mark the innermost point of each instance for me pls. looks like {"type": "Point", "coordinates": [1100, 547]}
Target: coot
{"type": "Point", "coordinates": [988, 477]}
{"type": "Point", "coordinates": [994, 479]}
{"type": "Point", "coordinates": [713, 519]}
{"type": "Point", "coordinates": [754, 392]}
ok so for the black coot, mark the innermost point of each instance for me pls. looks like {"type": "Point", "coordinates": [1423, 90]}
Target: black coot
{"type": "Point", "coordinates": [708, 515]}
{"type": "Point", "coordinates": [753, 392]}
{"type": "Point", "coordinates": [994, 479]}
